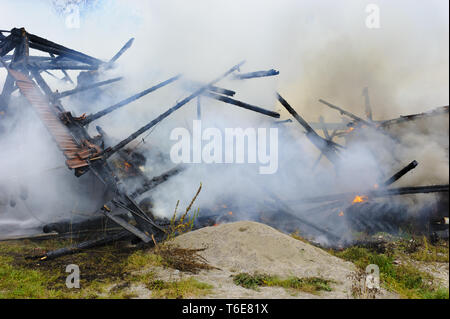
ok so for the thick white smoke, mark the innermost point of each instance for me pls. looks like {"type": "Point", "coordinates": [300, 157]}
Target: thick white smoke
{"type": "Point", "coordinates": [322, 50]}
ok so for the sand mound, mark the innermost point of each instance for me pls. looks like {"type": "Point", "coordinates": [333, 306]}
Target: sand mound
{"type": "Point", "coordinates": [253, 247]}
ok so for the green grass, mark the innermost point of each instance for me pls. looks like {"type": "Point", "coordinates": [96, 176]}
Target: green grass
{"type": "Point", "coordinates": [105, 272]}
{"type": "Point", "coordinates": [179, 289]}
{"type": "Point", "coordinates": [309, 284]}
{"type": "Point", "coordinates": [404, 279]}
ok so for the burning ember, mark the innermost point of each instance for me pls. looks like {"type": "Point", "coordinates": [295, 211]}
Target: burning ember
{"type": "Point", "coordinates": [359, 199]}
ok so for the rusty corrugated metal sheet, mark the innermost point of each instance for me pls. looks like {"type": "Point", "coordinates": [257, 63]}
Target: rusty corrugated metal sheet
{"type": "Point", "coordinates": [75, 153]}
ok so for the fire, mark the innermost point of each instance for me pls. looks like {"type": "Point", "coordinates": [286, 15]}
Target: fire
{"type": "Point", "coordinates": [341, 213]}
{"type": "Point", "coordinates": [351, 128]}
{"type": "Point", "coordinates": [230, 213]}
{"type": "Point", "coordinates": [359, 199]}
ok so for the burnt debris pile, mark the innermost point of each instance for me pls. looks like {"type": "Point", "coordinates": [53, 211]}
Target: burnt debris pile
{"type": "Point", "coordinates": [126, 214]}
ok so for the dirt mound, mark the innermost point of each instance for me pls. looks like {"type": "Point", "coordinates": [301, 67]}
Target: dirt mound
{"type": "Point", "coordinates": [253, 247]}
{"type": "Point", "coordinates": [249, 246]}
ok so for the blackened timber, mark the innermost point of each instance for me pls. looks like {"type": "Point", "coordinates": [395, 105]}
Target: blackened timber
{"type": "Point", "coordinates": [84, 88]}
{"type": "Point", "coordinates": [241, 104]}
{"type": "Point", "coordinates": [257, 74]}
{"type": "Point", "coordinates": [42, 44]}
{"type": "Point", "coordinates": [326, 147]}
{"type": "Point", "coordinates": [286, 209]}
{"type": "Point", "coordinates": [121, 51]}
{"type": "Point", "coordinates": [222, 90]}
{"type": "Point", "coordinates": [110, 151]}
{"type": "Point", "coordinates": [378, 193]}
{"type": "Point", "coordinates": [114, 107]}
{"type": "Point", "coordinates": [344, 112]}
{"type": "Point", "coordinates": [61, 65]}
{"type": "Point", "coordinates": [5, 95]}
{"type": "Point", "coordinates": [104, 240]}
{"type": "Point", "coordinates": [155, 181]}
{"type": "Point", "coordinates": [195, 85]}
{"type": "Point", "coordinates": [65, 226]}
{"type": "Point", "coordinates": [41, 82]}
{"type": "Point", "coordinates": [66, 75]}
{"type": "Point", "coordinates": [144, 221]}
{"type": "Point", "coordinates": [400, 173]}
{"type": "Point", "coordinates": [7, 45]}
{"type": "Point", "coordinates": [30, 58]}
{"type": "Point", "coordinates": [130, 228]}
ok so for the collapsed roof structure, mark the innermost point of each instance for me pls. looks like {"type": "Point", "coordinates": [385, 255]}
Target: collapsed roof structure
{"type": "Point", "coordinates": [85, 153]}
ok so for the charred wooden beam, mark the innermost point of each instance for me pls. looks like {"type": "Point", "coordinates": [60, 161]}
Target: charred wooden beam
{"type": "Point", "coordinates": [66, 75]}
{"type": "Point", "coordinates": [257, 74]}
{"type": "Point", "coordinates": [326, 147]}
{"type": "Point", "coordinates": [287, 210]}
{"type": "Point", "coordinates": [377, 193]}
{"type": "Point", "coordinates": [61, 65]}
{"type": "Point", "coordinates": [45, 45]}
{"type": "Point", "coordinates": [130, 228]}
{"type": "Point", "coordinates": [283, 121]}
{"type": "Point", "coordinates": [121, 51]}
{"type": "Point", "coordinates": [344, 112]}
{"type": "Point", "coordinates": [122, 103]}
{"type": "Point", "coordinates": [221, 90]}
{"type": "Point", "coordinates": [110, 151]}
{"type": "Point", "coordinates": [192, 85]}
{"type": "Point", "coordinates": [400, 173]}
{"type": "Point", "coordinates": [155, 181]}
{"type": "Point", "coordinates": [241, 104]}
{"type": "Point", "coordinates": [8, 44]}
{"type": "Point", "coordinates": [104, 240]}
{"type": "Point", "coordinates": [59, 95]}
{"type": "Point", "coordinates": [67, 226]}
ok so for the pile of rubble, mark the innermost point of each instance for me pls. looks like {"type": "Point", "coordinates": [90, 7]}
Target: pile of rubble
{"type": "Point", "coordinates": [121, 217]}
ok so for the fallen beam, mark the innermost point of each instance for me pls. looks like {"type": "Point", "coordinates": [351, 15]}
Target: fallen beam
{"type": "Point", "coordinates": [257, 74]}
{"type": "Point", "coordinates": [241, 104]}
{"type": "Point", "coordinates": [401, 173]}
{"type": "Point", "coordinates": [326, 147]}
{"type": "Point", "coordinates": [59, 95]}
{"type": "Point", "coordinates": [111, 150]}
{"type": "Point", "coordinates": [344, 112]}
{"type": "Point", "coordinates": [121, 51]}
{"type": "Point", "coordinates": [122, 103]}
{"type": "Point", "coordinates": [104, 240]}
{"type": "Point", "coordinates": [376, 193]}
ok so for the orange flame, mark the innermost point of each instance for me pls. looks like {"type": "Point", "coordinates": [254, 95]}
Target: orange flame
{"type": "Point", "coordinates": [230, 213]}
{"type": "Point", "coordinates": [359, 199]}
{"type": "Point", "coordinates": [341, 213]}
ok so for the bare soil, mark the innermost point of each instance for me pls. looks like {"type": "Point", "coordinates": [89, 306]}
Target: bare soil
{"type": "Point", "coordinates": [251, 247]}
